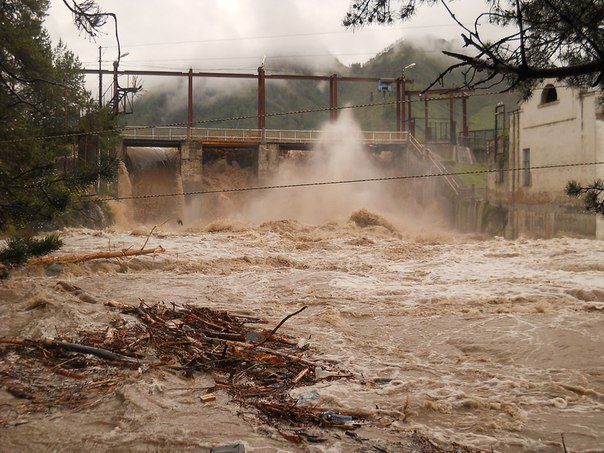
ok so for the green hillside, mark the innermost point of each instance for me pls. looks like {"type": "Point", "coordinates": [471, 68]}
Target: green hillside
{"type": "Point", "coordinates": [226, 99]}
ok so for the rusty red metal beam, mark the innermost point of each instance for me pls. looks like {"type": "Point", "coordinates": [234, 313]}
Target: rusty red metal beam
{"type": "Point", "coordinates": [451, 119]}
{"type": "Point", "coordinates": [464, 118]}
{"type": "Point", "coordinates": [237, 75]}
{"type": "Point", "coordinates": [190, 104]}
{"type": "Point", "coordinates": [231, 75]}
{"type": "Point", "coordinates": [333, 97]}
{"type": "Point", "coordinates": [297, 77]}
{"type": "Point", "coordinates": [261, 99]}
{"type": "Point", "coordinates": [411, 127]}
{"type": "Point", "coordinates": [403, 106]}
{"type": "Point", "coordinates": [398, 105]}
{"type": "Point", "coordinates": [427, 132]}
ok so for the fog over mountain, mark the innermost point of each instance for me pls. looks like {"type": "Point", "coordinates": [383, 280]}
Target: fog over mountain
{"type": "Point", "coordinates": [235, 35]}
{"type": "Point", "coordinates": [217, 99]}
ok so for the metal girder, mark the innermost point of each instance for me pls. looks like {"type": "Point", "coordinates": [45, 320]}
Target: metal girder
{"type": "Point", "coordinates": [236, 75]}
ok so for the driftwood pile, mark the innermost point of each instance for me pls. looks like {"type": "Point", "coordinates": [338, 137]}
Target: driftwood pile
{"type": "Point", "coordinates": [46, 377]}
{"type": "Point", "coordinates": [257, 367]}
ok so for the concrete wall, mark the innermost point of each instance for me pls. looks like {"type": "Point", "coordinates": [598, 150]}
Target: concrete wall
{"type": "Point", "coordinates": [513, 221]}
{"type": "Point", "coordinates": [568, 130]}
{"type": "Point", "coordinates": [559, 132]}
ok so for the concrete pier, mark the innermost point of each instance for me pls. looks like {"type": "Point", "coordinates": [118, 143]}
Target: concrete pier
{"type": "Point", "coordinates": [268, 160]}
{"type": "Point", "coordinates": [191, 167]}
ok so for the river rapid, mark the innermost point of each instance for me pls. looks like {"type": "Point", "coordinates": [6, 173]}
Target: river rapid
{"type": "Point", "coordinates": [487, 342]}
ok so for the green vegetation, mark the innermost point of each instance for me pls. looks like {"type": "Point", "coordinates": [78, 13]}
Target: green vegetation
{"type": "Point", "coordinates": [592, 194]}
{"type": "Point", "coordinates": [479, 180]}
{"type": "Point", "coordinates": [19, 250]}
{"type": "Point", "coordinates": [49, 152]}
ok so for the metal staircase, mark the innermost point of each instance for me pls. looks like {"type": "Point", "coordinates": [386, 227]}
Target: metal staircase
{"type": "Point", "coordinates": [426, 154]}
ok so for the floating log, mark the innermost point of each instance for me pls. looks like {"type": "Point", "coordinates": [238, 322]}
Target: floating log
{"type": "Point", "coordinates": [95, 256]}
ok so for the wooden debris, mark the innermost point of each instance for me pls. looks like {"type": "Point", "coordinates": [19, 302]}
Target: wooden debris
{"type": "Point", "coordinates": [191, 340]}
{"type": "Point", "coordinates": [300, 375]}
{"type": "Point", "coordinates": [269, 336]}
{"type": "Point", "coordinates": [115, 304]}
{"type": "Point", "coordinates": [207, 398]}
{"type": "Point", "coordinates": [74, 347]}
{"type": "Point", "coordinates": [95, 256]}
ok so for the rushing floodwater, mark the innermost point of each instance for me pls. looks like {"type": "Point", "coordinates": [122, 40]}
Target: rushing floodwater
{"type": "Point", "coordinates": [486, 342]}
{"type": "Point", "coordinates": [491, 343]}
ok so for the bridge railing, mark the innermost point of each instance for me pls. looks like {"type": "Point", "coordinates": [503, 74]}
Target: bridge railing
{"type": "Point", "coordinates": [155, 133]}
{"type": "Point", "coordinates": [270, 135]}
{"type": "Point", "coordinates": [225, 134]}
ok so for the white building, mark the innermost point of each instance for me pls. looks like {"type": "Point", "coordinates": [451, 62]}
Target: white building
{"type": "Point", "coordinates": [558, 125]}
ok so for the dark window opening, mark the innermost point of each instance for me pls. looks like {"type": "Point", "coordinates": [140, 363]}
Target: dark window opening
{"type": "Point", "coordinates": [549, 94]}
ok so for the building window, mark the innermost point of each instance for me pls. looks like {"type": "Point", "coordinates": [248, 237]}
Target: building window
{"type": "Point", "coordinates": [549, 94]}
{"type": "Point", "coordinates": [526, 165]}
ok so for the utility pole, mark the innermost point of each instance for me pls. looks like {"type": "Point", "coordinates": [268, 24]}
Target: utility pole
{"type": "Point", "coordinates": [65, 126]}
{"type": "Point", "coordinates": [98, 149]}
{"type": "Point", "coordinates": [115, 101]}
{"type": "Point", "coordinates": [100, 79]}
{"type": "Point", "coordinates": [452, 138]}
{"type": "Point", "coordinates": [427, 132]}
{"type": "Point", "coordinates": [403, 106]}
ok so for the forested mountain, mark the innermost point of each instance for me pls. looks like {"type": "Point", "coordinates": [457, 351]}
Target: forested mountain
{"type": "Point", "coordinates": [218, 99]}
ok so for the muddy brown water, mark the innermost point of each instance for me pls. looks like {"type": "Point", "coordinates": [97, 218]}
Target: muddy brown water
{"type": "Point", "coordinates": [485, 342]}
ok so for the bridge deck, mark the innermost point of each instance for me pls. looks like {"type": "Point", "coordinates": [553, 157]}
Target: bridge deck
{"type": "Point", "coordinates": [250, 136]}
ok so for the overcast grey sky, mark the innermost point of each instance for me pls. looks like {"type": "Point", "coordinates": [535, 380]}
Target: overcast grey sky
{"type": "Point", "coordinates": [235, 34]}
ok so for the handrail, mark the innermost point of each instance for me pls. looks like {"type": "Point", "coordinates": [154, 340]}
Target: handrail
{"type": "Point", "coordinates": [424, 151]}
{"type": "Point", "coordinates": [419, 148]}
{"type": "Point", "coordinates": [452, 183]}
{"type": "Point", "coordinates": [279, 135]}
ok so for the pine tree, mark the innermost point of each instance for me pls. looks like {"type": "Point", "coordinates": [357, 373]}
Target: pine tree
{"type": "Point", "coordinates": [46, 119]}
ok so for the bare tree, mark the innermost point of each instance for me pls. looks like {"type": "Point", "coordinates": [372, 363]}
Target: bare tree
{"type": "Point", "coordinates": [562, 39]}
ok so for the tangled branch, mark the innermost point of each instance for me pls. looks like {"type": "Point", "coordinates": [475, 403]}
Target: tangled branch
{"type": "Point", "coordinates": [89, 18]}
{"type": "Point", "coordinates": [549, 39]}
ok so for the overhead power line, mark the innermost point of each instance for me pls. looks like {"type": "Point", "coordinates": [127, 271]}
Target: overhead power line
{"type": "Point", "coordinates": [287, 35]}
{"type": "Point", "coordinates": [340, 182]}
{"type": "Point", "coordinates": [254, 57]}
